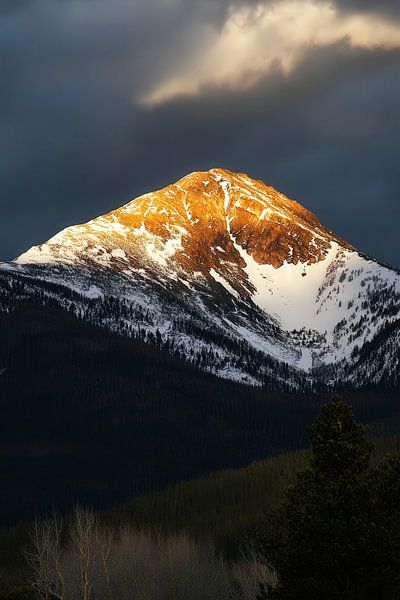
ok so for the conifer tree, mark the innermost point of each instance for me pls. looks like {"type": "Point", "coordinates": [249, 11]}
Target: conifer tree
{"type": "Point", "coordinates": [339, 521]}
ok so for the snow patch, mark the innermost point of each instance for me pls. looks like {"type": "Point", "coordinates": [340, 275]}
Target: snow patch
{"type": "Point", "coordinates": [118, 253]}
{"type": "Point", "coordinates": [215, 275]}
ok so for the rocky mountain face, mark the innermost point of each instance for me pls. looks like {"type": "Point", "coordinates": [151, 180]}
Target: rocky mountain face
{"type": "Point", "coordinates": [230, 274]}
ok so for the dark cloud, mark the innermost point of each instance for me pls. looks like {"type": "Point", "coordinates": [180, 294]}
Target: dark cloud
{"type": "Point", "coordinates": [13, 6]}
{"type": "Point", "coordinates": [74, 144]}
{"type": "Point", "coordinates": [384, 7]}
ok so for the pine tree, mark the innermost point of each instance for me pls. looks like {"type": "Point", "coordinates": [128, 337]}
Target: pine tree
{"type": "Point", "coordinates": [331, 533]}
{"type": "Point", "coordinates": [385, 501]}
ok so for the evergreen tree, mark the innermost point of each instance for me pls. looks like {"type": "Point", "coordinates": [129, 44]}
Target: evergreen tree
{"type": "Point", "coordinates": [336, 534]}
{"type": "Point", "coordinates": [385, 504]}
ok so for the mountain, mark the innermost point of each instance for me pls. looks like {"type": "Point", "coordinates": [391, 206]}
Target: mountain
{"type": "Point", "coordinates": [231, 275]}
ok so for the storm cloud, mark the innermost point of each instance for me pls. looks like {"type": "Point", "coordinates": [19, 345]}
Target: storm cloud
{"type": "Point", "coordinates": [85, 124]}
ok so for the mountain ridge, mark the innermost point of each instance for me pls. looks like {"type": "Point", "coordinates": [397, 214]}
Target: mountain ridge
{"type": "Point", "coordinates": [221, 255]}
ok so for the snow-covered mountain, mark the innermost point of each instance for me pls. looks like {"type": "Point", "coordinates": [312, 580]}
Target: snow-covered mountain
{"type": "Point", "coordinates": [230, 274]}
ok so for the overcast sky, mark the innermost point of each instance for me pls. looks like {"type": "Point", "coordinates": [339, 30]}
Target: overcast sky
{"type": "Point", "coordinates": [103, 100]}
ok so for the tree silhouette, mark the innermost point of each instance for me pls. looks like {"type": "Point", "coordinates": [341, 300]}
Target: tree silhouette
{"type": "Point", "coordinates": [336, 533]}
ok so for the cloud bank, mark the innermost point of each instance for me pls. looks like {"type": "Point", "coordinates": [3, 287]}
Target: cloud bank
{"type": "Point", "coordinates": [255, 40]}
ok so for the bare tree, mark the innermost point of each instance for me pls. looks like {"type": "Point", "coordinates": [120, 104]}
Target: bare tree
{"type": "Point", "coordinates": [90, 562]}
{"type": "Point", "coordinates": [104, 541]}
{"type": "Point", "coordinates": [84, 534]}
{"type": "Point", "coordinates": [45, 556]}
{"type": "Point", "coordinates": [251, 575]}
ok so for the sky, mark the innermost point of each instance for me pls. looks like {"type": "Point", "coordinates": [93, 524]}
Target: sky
{"type": "Point", "coordinates": [102, 101]}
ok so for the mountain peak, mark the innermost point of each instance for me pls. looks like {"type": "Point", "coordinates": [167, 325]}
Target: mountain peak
{"type": "Point", "coordinates": [225, 254]}
{"type": "Point", "coordinates": [202, 213]}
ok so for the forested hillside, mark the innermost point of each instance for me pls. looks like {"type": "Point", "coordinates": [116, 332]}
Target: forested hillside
{"type": "Point", "coordinates": [92, 416]}
{"type": "Point", "coordinates": [227, 505]}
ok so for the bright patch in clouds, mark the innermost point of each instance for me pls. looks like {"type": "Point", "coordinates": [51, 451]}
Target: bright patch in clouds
{"type": "Point", "coordinates": [255, 39]}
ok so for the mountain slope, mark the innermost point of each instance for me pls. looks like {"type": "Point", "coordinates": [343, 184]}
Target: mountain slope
{"type": "Point", "coordinates": [232, 274]}
{"type": "Point", "coordinates": [97, 417]}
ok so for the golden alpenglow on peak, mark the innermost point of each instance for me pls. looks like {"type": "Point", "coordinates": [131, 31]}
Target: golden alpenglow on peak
{"type": "Point", "coordinates": [205, 218]}
{"type": "Point", "coordinates": [225, 250]}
